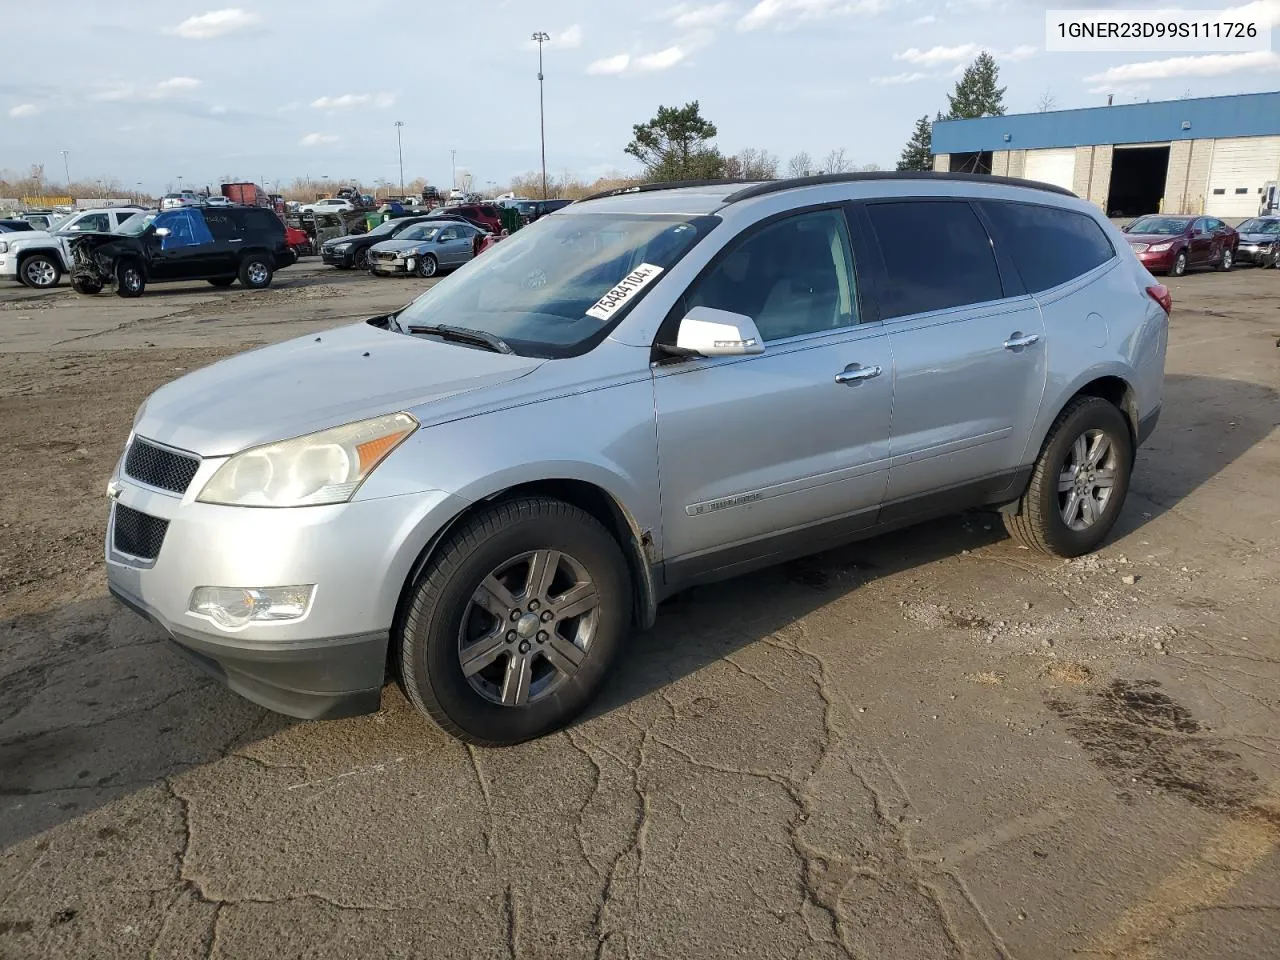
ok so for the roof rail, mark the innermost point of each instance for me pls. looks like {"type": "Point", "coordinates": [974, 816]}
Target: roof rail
{"type": "Point", "coordinates": [774, 186]}
{"type": "Point", "coordinates": [665, 185]}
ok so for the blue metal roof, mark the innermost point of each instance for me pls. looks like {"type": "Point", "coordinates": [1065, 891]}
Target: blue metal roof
{"type": "Point", "coordinates": [1242, 115]}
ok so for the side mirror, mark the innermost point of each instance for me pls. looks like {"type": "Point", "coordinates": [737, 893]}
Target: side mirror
{"type": "Point", "coordinates": [1125, 228]}
{"type": "Point", "coordinates": [707, 332]}
{"type": "Point", "coordinates": [162, 231]}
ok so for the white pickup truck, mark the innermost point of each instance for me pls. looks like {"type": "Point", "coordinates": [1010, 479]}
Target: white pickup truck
{"type": "Point", "coordinates": [39, 258]}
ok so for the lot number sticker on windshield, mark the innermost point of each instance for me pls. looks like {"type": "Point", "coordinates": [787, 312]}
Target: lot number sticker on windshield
{"type": "Point", "coordinates": [631, 284]}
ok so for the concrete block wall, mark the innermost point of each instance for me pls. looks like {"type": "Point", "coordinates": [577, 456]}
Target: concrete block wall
{"type": "Point", "coordinates": [941, 162]}
{"type": "Point", "coordinates": [1000, 163]}
{"type": "Point", "coordinates": [1083, 173]}
{"type": "Point", "coordinates": [1017, 163]}
{"type": "Point", "coordinates": [1100, 176]}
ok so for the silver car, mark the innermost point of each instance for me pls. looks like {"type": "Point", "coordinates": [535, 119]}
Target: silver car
{"type": "Point", "coordinates": [645, 390]}
{"type": "Point", "coordinates": [424, 249]}
{"type": "Point", "coordinates": [1259, 241]}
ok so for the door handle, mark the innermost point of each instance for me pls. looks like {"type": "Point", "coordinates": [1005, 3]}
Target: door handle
{"type": "Point", "coordinates": [853, 374]}
{"type": "Point", "coordinates": [1018, 341]}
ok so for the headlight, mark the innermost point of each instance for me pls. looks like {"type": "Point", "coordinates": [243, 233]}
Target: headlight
{"type": "Point", "coordinates": [325, 467]}
{"type": "Point", "coordinates": [1160, 247]}
{"type": "Point", "coordinates": [342, 246]}
{"type": "Point", "coordinates": [233, 607]}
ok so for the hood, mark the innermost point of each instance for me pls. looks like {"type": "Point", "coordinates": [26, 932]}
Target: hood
{"type": "Point", "coordinates": [395, 246]}
{"type": "Point", "coordinates": [40, 235]}
{"type": "Point", "coordinates": [96, 241]}
{"type": "Point", "coordinates": [1260, 237]}
{"type": "Point", "coordinates": [317, 381]}
{"type": "Point", "coordinates": [346, 238]}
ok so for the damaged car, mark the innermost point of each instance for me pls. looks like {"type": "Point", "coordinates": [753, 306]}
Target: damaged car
{"type": "Point", "coordinates": [218, 245]}
{"type": "Point", "coordinates": [1260, 241]}
{"type": "Point", "coordinates": [425, 249]}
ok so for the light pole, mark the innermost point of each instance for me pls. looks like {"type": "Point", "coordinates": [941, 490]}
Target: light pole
{"type": "Point", "coordinates": [542, 37]}
{"type": "Point", "coordinates": [66, 168]}
{"type": "Point", "coordinates": [179, 183]}
{"type": "Point", "coordinates": [453, 170]}
{"type": "Point", "coordinates": [400, 150]}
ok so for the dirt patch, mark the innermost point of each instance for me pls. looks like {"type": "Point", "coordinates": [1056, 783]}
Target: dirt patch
{"type": "Point", "coordinates": [1139, 735]}
{"type": "Point", "coordinates": [987, 678]}
{"type": "Point", "coordinates": [1075, 674]}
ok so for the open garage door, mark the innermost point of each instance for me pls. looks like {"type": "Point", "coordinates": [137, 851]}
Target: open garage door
{"type": "Point", "coordinates": [1240, 169]}
{"type": "Point", "coordinates": [1052, 166]}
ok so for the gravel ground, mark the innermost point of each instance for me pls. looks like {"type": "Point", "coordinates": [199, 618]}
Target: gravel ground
{"type": "Point", "coordinates": [930, 745]}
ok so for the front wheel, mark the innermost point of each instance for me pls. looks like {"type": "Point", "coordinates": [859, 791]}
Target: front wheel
{"type": "Point", "coordinates": [1079, 482]}
{"type": "Point", "coordinates": [1227, 261]}
{"type": "Point", "coordinates": [1179, 264]}
{"type": "Point", "coordinates": [255, 272]}
{"type": "Point", "coordinates": [515, 621]}
{"type": "Point", "coordinates": [40, 271]}
{"type": "Point", "coordinates": [88, 287]}
{"type": "Point", "coordinates": [427, 266]}
{"type": "Point", "coordinates": [129, 279]}
{"type": "Point", "coordinates": [362, 258]}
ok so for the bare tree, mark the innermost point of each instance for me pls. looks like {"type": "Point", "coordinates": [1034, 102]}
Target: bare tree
{"type": "Point", "coordinates": [869, 167]}
{"type": "Point", "coordinates": [836, 162]}
{"type": "Point", "coordinates": [751, 164]}
{"type": "Point", "coordinates": [1047, 101]}
{"type": "Point", "coordinates": [800, 165]}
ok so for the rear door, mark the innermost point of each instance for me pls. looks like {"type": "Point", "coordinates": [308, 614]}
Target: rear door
{"type": "Point", "coordinates": [969, 354]}
{"type": "Point", "coordinates": [224, 257]}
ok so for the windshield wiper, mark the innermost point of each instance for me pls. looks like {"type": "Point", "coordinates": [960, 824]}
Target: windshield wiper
{"type": "Point", "coordinates": [464, 335]}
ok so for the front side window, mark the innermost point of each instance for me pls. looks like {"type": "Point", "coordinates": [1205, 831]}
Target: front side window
{"type": "Point", "coordinates": [534, 289]}
{"type": "Point", "coordinates": [186, 229]}
{"type": "Point", "coordinates": [1049, 245]}
{"type": "Point", "coordinates": [937, 255]}
{"type": "Point", "coordinates": [792, 277]}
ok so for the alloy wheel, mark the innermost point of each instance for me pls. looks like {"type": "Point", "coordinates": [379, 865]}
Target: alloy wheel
{"type": "Point", "coordinates": [40, 273]}
{"type": "Point", "coordinates": [1086, 479]}
{"type": "Point", "coordinates": [257, 273]}
{"type": "Point", "coordinates": [528, 627]}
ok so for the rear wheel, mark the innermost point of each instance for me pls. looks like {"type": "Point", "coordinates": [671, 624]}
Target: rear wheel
{"type": "Point", "coordinates": [129, 279]}
{"type": "Point", "coordinates": [222, 281]}
{"type": "Point", "coordinates": [515, 622]}
{"type": "Point", "coordinates": [1228, 259]}
{"type": "Point", "coordinates": [256, 271]}
{"type": "Point", "coordinates": [40, 271]}
{"type": "Point", "coordinates": [1179, 264]}
{"type": "Point", "coordinates": [1079, 482]}
{"type": "Point", "coordinates": [428, 266]}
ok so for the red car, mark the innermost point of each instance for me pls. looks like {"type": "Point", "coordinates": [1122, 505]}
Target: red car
{"type": "Point", "coordinates": [298, 240]}
{"type": "Point", "coordinates": [1173, 245]}
{"type": "Point", "coordinates": [487, 216]}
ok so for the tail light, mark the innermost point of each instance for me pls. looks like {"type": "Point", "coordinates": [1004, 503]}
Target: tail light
{"type": "Point", "coordinates": [1161, 295]}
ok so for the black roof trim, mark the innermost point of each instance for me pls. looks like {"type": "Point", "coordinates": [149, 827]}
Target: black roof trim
{"type": "Point", "coordinates": [775, 186]}
{"type": "Point", "coordinates": [668, 185]}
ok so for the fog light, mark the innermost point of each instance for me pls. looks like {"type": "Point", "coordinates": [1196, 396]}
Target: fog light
{"type": "Point", "coordinates": [410, 263]}
{"type": "Point", "coordinates": [234, 607]}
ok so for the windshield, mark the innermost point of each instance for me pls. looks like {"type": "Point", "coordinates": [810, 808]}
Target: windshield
{"type": "Point", "coordinates": [385, 229]}
{"type": "Point", "coordinates": [1161, 226]}
{"type": "Point", "coordinates": [534, 289]}
{"type": "Point", "coordinates": [136, 224]}
{"type": "Point", "coordinates": [420, 231]}
{"type": "Point", "coordinates": [1260, 225]}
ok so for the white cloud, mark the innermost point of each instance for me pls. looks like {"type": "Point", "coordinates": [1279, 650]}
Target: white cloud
{"type": "Point", "coordinates": [1122, 89]}
{"type": "Point", "coordinates": [924, 21]}
{"type": "Point", "coordinates": [609, 65]}
{"type": "Point", "coordinates": [661, 60]}
{"type": "Point", "coordinates": [687, 17]}
{"type": "Point", "coordinates": [1208, 65]}
{"type": "Point", "coordinates": [177, 83]}
{"type": "Point", "coordinates": [317, 139]}
{"type": "Point", "coordinates": [784, 13]}
{"type": "Point", "coordinates": [570, 38]}
{"type": "Point", "coordinates": [215, 23]}
{"type": "Point", "coordinates": [1265, 13]}
{"type": "Point", "coordinates": [348, 100]}
{"type": "Point", "coordinates": [1023, 52]}
{"type": "Point", "coordinates": [24, 110]}
{"type": "Point", "coordinates": [900, 78]}
{"type": "Point", "coordinates": [936, 56]}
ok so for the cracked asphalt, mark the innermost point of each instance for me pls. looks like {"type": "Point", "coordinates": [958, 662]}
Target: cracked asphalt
{"type": "Point", "coordinates": [930, 745]}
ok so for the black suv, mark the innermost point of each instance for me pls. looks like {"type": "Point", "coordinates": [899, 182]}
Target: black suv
{"type": "Point", "coordinates": [352, 250]}
{"type": "Point", "coordinates": [218, 244]}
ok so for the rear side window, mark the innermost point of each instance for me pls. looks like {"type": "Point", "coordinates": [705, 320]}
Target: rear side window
{"type": "Point", "coordinates": [1049, 245]}
{"type": "Point", "coordinates": [221, 225]}
{"type": "Point", "coordinates": [260, 221]}
{"type": "Point", "coordinates": [937, 255]}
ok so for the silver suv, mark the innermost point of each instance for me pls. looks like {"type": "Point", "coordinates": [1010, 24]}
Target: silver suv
{"type": "Point", "coordinates": [651, 388]}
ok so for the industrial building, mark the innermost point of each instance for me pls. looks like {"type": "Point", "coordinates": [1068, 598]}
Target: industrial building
{"type": "Point", "coordinates": [1211, 155]}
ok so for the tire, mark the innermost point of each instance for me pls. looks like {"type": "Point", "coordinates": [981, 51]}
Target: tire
{"type": "Point", "coordinates": [1227, 260]}
{"type": "Point", "coordinates": [130, 281]}
{"type": "Point", "coordinates": [222, 281]}
{"type": "Point", "coordinates": [1179, 267]}
{"type": "Point", "coordinates": [496, 545]}
{"type": "Point", "coordinates": [362, 258]}
{"type": "Point", "coordinates": [1040, 522]}
{"type": "Point", "coordinates": [256, 270]}
{"type": "Point", "coordinates": [87, 287]}
{"type": "Point", "coordinates": [427, 266]}
{"type": "Point", "coordinates": [40, 271]}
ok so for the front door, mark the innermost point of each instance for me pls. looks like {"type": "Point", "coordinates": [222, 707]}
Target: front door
{"type": "Point", "coordinates": [1202, 245]}
{"type": "Point", "coordinates": [756, 453]}
{"type": "Point", "coordinates": [186, 249]}
{"type": "Point", "coordinates": [969, 361]}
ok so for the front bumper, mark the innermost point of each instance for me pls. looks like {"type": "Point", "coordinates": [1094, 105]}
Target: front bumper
{"type": "Point", "coordinates": [393, 268]}
{"type": "Point", "coordinates": [1160, 262]}
{"type": "Point", "coordinates": [9, 265]}
{"type": "Point", "coordinates": [1257, 254]}
{"type": "Point", "coordinates": [328, 663]}
{"type": "Point", "coordinates": [345, 258]}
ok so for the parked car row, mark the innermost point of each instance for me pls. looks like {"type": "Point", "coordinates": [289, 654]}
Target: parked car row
{"type": "Point", "coordinates": [1175, 244]}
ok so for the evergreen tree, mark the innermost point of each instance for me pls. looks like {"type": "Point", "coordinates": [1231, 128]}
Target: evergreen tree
{"type": "Point", "coordinates": [976, 93]}
{"type": "Point", "coordinates": [676, 145]}
{"type": "Point", "coordinates": [917, 154]}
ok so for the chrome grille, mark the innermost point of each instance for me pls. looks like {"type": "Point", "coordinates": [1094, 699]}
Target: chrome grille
{"type": "Point", "coordinates": [158, 467]}
{"type": "Point", "coordinates": [138, 534]}
{"type": "Point", "coordinates": [383, 255]}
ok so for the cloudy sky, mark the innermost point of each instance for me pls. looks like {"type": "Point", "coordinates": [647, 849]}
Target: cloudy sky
{"type": "Point", "coordinates": [149, 90]}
